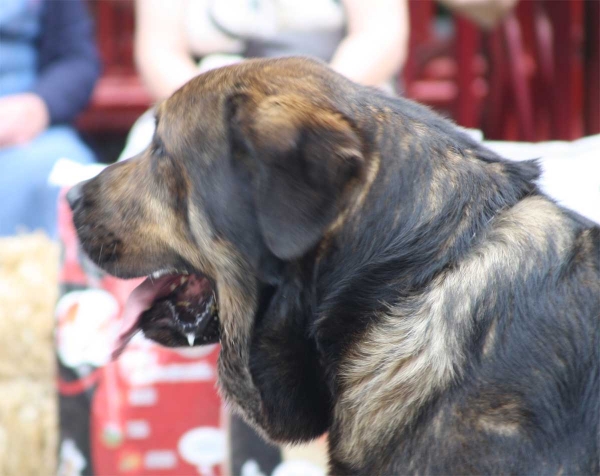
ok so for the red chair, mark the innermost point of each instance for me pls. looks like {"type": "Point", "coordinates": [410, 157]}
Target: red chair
{"type": "Point", "coordinates": [119, 97]}
{"type": "Point", "coordinates": [537, 75]}
{"type": "Point", "coordinates": [446, 73]}
{"type": "Point", "coordinates": [591, 101]}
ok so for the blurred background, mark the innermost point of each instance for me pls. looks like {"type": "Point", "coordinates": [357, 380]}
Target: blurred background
{"type": "Point", "coordinates": [78, 79]}
{"type": "Point", "coordinates": [531, 77]}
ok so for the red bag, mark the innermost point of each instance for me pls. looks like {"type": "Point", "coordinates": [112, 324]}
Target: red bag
{"type": "Point", "coordinates": [154, 410]}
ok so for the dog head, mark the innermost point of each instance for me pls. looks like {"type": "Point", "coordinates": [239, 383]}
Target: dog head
{"type": "Point", "coordinates": [249, 168]}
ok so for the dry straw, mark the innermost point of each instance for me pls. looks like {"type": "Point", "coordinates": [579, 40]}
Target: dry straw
{"type": "Point", "coordinates": [28, 292]}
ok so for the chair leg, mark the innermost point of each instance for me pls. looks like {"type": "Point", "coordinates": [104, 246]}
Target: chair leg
{"type": "Point", "coordinates": [518, 75]}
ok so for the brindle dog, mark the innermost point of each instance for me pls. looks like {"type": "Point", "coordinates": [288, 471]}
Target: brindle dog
{"type": "Point", "coordinates": [379, 275]}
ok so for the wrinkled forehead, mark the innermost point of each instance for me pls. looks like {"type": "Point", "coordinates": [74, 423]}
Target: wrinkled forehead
{"type": "Point", "coordinates": [198, 104]}
{"type": "Point", "coordinates": [182, 116]}
{"type": "Point", "coordinates": [208, 87]}
{"type": "Point", "coordinates": [263, 77]}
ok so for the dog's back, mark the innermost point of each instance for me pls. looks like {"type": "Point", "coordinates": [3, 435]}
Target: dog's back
{"type": "Point", "coordinates": [526, 400]}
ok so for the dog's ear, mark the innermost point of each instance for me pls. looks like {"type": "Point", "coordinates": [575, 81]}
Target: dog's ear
{"type": "Point", "coordinates": [303, 157]}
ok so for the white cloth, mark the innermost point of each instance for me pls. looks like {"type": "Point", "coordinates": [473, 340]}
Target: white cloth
{"type": "Point", "coordinates": [571, 170]}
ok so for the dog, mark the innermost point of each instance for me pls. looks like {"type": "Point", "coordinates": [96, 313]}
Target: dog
{"type": "Point", "coordinates": [380, 276]}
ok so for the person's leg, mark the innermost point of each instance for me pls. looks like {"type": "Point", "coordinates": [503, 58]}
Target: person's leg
{"type": "Point", "coordinates": [27, 202]}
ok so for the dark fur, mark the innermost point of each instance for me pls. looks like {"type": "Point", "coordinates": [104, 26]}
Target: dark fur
{"type": "Point", "coordinates": [271, 154]}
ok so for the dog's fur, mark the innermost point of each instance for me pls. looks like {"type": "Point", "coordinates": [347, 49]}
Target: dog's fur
{"type": "Point", "coordinates": [380, 275]}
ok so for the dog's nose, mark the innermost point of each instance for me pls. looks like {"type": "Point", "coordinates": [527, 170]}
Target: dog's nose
{"type": "Point", "coordinates": [74, 195]}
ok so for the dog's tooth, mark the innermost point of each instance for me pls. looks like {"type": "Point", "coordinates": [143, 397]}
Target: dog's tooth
{"type": "Point", "coordinates": [173, 287]}
{"type": "Point", "coordinates": [183, 280]}
{"type": "Point", "coordinates": [160, 273]}
{"type": "Point", "coordinates": [191, 338]}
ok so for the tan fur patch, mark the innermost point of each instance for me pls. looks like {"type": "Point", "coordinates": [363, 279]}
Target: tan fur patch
{"type": "Point", "coordinates": [420, 130]}
{"type": "Point", "coordinates": [358, 199]}
{"type": "Point", "coordinates": [490, 338]}
{"type": "Point", "coordinates": [237, 306]}
{"type": "Point", "coordinates": [414, 351]}
{"type": "Point", "coordinates": [437, 423]}
{"type": "Point", "coordinates": [502, 420]}
{"type": "Point", "coordinates": [217, 259]}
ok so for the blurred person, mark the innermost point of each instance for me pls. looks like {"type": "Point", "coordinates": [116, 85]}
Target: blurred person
{"type": "Point", "coordinates": [366, 41]}
{"type": "Point", "coordinates": [48, 67]}
{"type": "Point", "coordinates": [175, 41]}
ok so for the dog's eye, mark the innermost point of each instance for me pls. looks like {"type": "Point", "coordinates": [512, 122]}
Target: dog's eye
{"type": "Point", "coordinates": [158, 149]}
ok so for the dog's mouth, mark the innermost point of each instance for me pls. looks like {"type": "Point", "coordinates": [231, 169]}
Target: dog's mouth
{"type": "Point", "coordinates": [173, 309]}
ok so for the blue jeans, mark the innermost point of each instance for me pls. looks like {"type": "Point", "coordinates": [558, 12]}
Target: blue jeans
{"type": "Point", "coordinates": [27, 201]}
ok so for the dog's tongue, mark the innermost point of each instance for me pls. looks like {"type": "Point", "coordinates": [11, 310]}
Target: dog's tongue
{"type": "Point", "coordinates": [141, 300]}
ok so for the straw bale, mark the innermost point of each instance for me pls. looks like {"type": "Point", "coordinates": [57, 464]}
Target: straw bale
{"type": "Point", "coordinates": [28, 293]}
{"type": "Point", "coordinates": [28, 408]}
{"type": "Point", "coordinates": [28, 428]}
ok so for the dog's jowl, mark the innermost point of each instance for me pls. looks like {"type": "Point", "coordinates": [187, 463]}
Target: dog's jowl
{"type": "Point", "coordinates": [370, 271]}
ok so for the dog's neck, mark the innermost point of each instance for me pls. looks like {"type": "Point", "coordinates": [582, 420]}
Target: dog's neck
{"type": "Point", "coordinates": [419, 213]}
{"type": "Point", "coordinates": [418, 220]}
